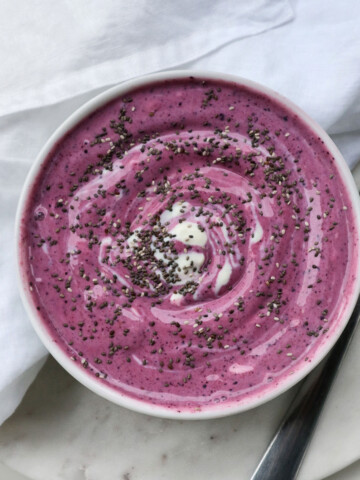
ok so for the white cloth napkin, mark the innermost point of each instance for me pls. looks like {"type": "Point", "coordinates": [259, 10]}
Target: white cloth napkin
{"type": "Point", "coordinates": [56, 50]}
{"type": "Point", "coordinates": [56, 55]}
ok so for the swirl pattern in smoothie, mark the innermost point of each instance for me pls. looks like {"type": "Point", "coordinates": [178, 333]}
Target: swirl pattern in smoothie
{"type": "Point", "coordinates": [190, 244]}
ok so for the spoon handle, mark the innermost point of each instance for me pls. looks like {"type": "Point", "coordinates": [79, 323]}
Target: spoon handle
{"type": "Point", "coordinates": [284, 455]}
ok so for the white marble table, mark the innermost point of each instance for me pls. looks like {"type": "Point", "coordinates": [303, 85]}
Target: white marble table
{"type": "Point", "coordinates": [62, 431]}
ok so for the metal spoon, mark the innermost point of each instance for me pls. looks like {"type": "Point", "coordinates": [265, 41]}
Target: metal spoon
{"type": "Point", "coordinates": [284, 455]}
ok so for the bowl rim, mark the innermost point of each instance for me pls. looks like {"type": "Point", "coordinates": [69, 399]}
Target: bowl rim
{"type": "Point", "coordinates": [91, 382]}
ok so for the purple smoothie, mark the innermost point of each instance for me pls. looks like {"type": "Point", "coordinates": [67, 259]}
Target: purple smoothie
{"type": "Point", "coordinates": [190, 243]}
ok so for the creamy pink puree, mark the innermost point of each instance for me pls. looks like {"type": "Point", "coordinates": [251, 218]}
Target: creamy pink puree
{"type": "Point", "coordinates": [190, 243]}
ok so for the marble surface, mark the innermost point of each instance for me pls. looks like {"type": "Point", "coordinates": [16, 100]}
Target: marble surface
{"type": "Point", "coordinates": [62, 431]}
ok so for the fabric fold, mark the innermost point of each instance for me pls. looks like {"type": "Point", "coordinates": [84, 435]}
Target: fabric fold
{"type": "Point", "coordinates": [66, 48]}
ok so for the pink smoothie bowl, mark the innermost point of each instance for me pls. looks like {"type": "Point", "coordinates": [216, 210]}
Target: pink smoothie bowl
{"type": "Point", "coordinates": [243, 403]}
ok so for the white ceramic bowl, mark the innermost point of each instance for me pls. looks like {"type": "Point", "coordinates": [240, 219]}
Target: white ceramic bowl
{"type": "Point", "coordinates": [73, 368]}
